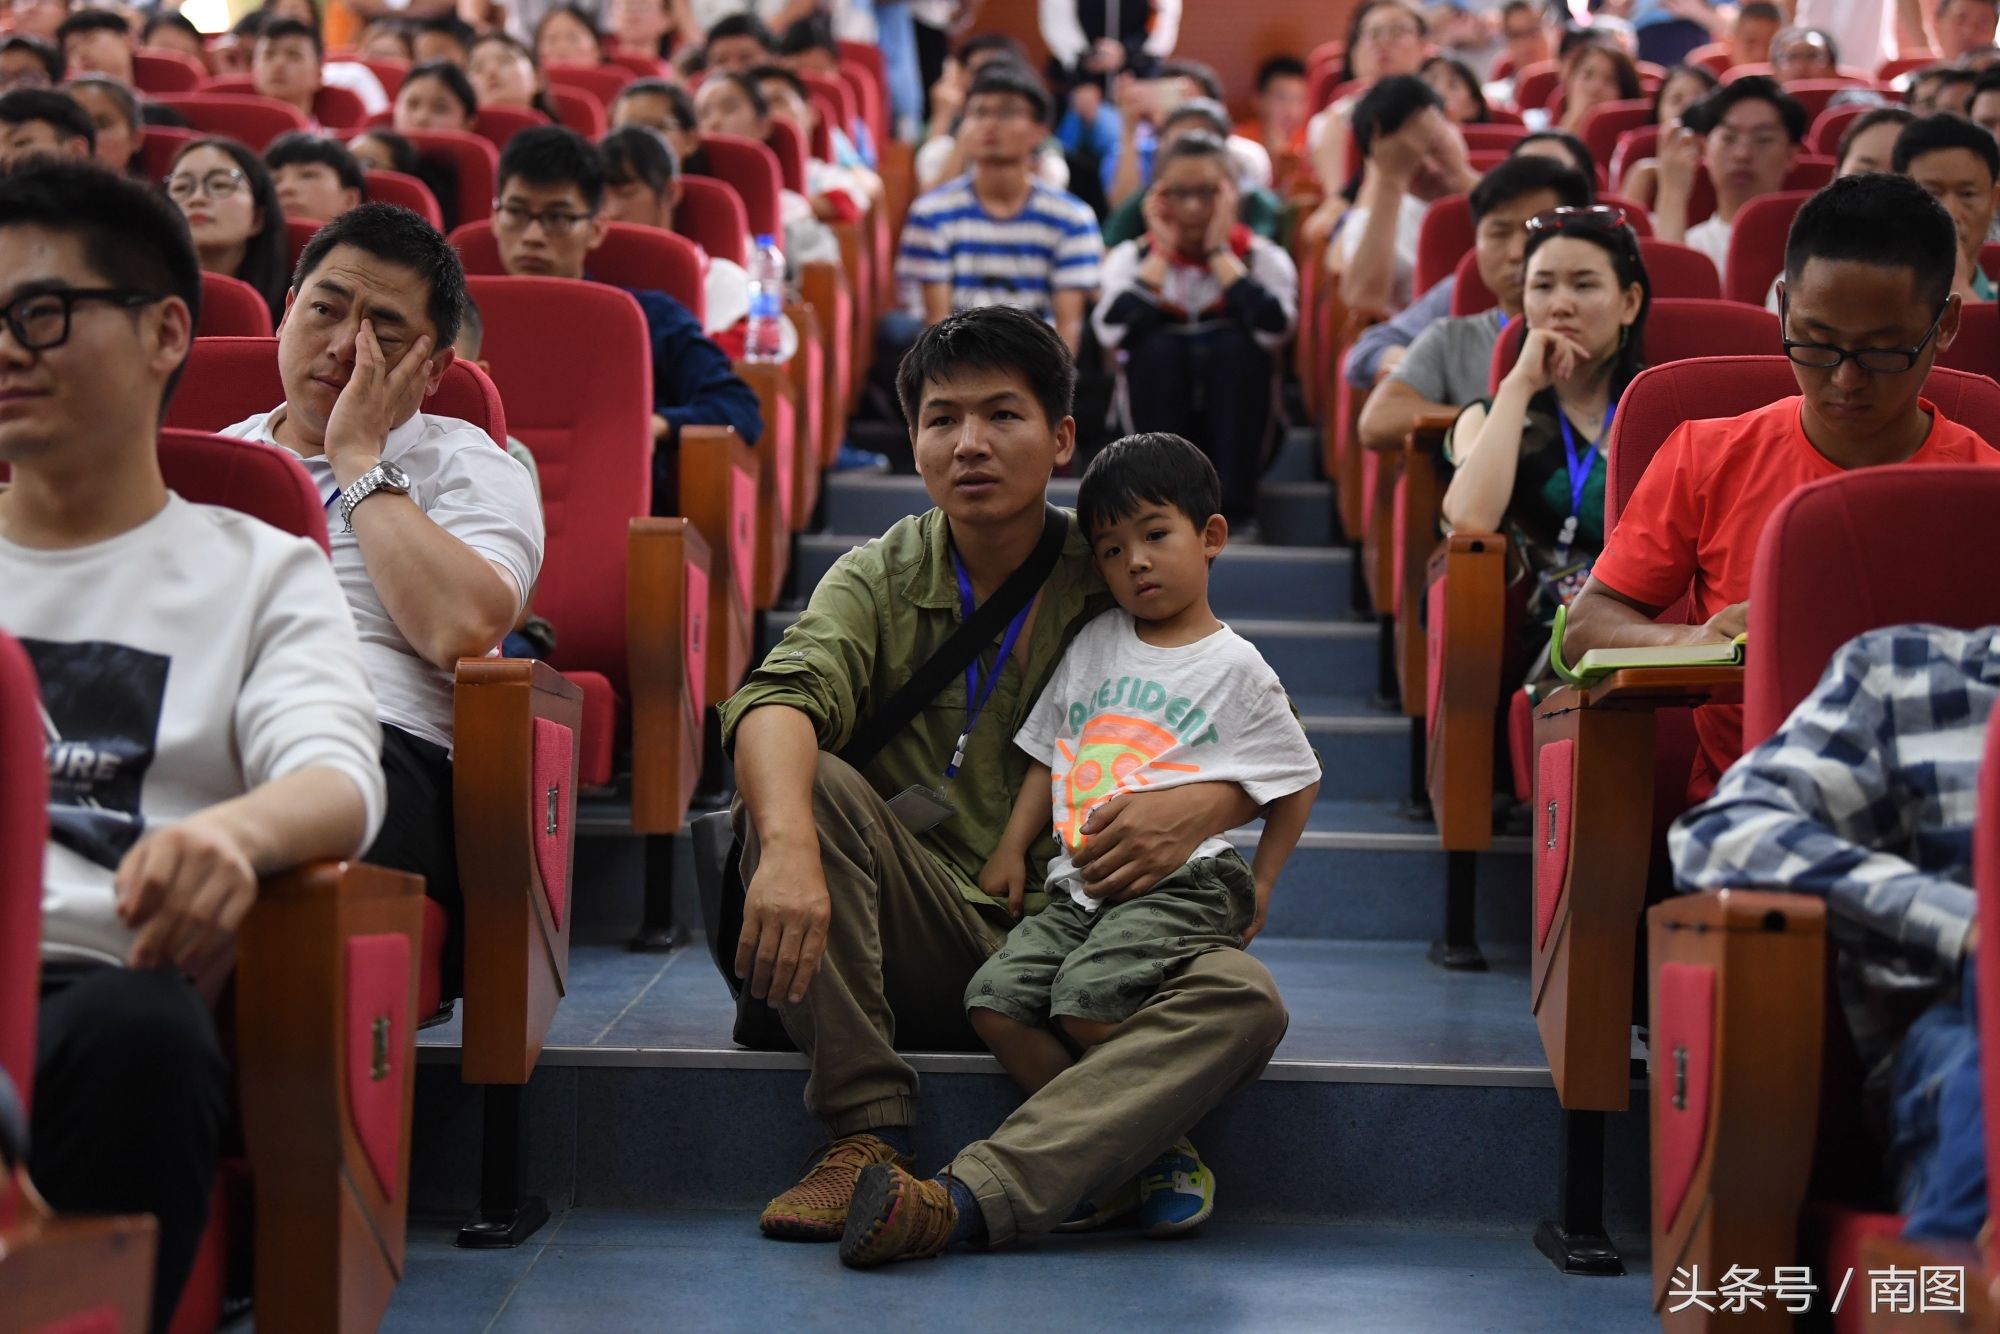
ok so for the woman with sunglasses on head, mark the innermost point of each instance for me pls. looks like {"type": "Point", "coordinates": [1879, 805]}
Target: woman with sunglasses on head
{"type": "Point", "coordinates": [232, 211]}
{"type": "Point", "coordinates": [1529, 461]}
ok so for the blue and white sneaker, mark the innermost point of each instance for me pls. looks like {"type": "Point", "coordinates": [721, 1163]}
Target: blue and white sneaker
{"type": "Point", "coordinates": [1090, 1215]}
{"type": "Point", "coordinates": [1176, 1192]}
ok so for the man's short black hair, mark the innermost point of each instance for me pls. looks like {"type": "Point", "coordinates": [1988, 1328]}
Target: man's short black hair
{"type": "Point", "coordinates": [1762, 10]}
{"type": "Point", "coordinates": [554, 155]}
{"type": "Point", "coordinates": [1200, 72]}
{"type": "Point", "coordinates": [92, 20]}
{"type": "Point", "coordinates": [1151, 468]}
{"type": "Point", "coordinates": [1209, 115]}
{"type": "Point", "coordinates": [454, 80]}
{"type": "Point", "coordinates": [58, 109]}
{"type": "Point", "coordinates": [445, 25]}
{"type": "Point", "coordinates": [980, 43]}
{"type": "Point", "coordinates": [635, 153]}
{"type": "Point", "coordinates": [740, 25]}
{"type": "Point", "coordinates": [784, 76]}
{"type": "Point", "coordinates": [746, 85]}
{"type": "Point", "coordinates": [471, 327]}
{"type": "Point", "coordinates": [990, 338]}
{"type": "Point", "coordinates": [168, 18]}
{"type": "Point", "coordinates": [302, 146]}
{"type": "Point", "coordinates": [1517, 176]}
{"type": "Point", "coordinates": [1389, 105]}
{"type": "Point", "coordinates": [814, 32]}
{"type": "Point", "coordinates": [247, 28]}
{"type": "Point", "coordinates": [278, 29]}
{"type": "Point", "coordinates": [397, 236]}
{"type": "Point", "coordinates": [1708, 113]}
{"type": "Point", "coordinates": [1867, 121]}
{"type": "Point", "coordinates": [1003, 77]}
{"type": "Point", "coordinates": [1877, 218]}
{"type": "Point", "coordinates": [1952, 75]}
{"type": "Point", "coordinates": [1581, 158]}
{"type": "Point", "coordinates": [1194, 144]}
{"type": "Point", "coordinates": [680, 102]}
{"type": "Point", "coordinates": [51, 56]}
{"type": "Point", "coordinates": [133, 236]}
{"type": "Point", "coordinates": [1932, 134]}
{"type": "Point", "coordinates": [1279, 67]}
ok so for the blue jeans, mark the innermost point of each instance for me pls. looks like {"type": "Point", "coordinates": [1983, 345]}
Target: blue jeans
{"type": "Point", "coordinates": [1938, 1131]}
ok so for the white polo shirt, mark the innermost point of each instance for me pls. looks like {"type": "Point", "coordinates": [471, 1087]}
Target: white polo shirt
{"type": "Point", "coordinates": [467, 485]}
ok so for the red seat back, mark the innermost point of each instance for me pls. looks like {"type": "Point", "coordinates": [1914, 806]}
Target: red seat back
{"type": "Point", "coordinates": [159, 145]}
{"type": "Point", "coordinates": [1632, 147]}
{"type": "Point", "coordinates": [299, 233]}
{"type": "Point", "coordinates": [1977, 347]}
{"type": "Point", "coordinates": [1666, 394]}
{"type": "Point", "coordinates": [631, 256]}
{"type": "Point", "coordinates": [389, 73]}
{"type": "Point", "coordinates": [265, 483]}
{"type": "Point", "coordinates": [499, 124]}
{"type": "Point", "coordinates": [161, 71]}
{"type": "Point", "coordinates": [24, 832]}
{"type": "Point", "coordinates": [1808, 174]}
{"type": "Point", "coordinates": [1677, 271]}
{"type": "Point", "coordinates": [1814, 94]}
{"type": "Point", "coordinates": [473, 160]}
{"type": "Point", "coordinates": [752, 171]}
{"type": "Point", "coordinates": [231, 308]}
{"type": "Point", "coordinates": [335, 108]}
{"type": "Point", "coordinates": [1863, 550]}
{"type": "Point", "coordinates": [1986, 878]}
{"type": "Point", "coordinates": [584, 406]}
{"type": "Point", "coordinates": [230, 379]}
{"type": "Point", "coordinates": [581, 111]}
{"type": "Point", "coordinates": [1827, 127]}
{"type": "Point", "coordinates": [248, 119]}
{"type": "Point", "coordinates": [835, 90]}
{"type": "Point", "coordinates": [1498, 134]}
{"type": "Point", "coordinates": [393, 187]}
{"type": "Point", "coordinates": [863, 69]}
{"type": "Point", "coordinates": [1607, 120]}
{"type": "Point", "coordinates": [1536, 83]}
{"type": "Point", "coordinates": [790, 147]}
{"type": "Point", "coordinates": [1445, 236]}
{"type": "Point", "coordinates": [1757, 245]}
{"type": "Point", "coordinates": [598, 81]}
{"type": "Point", "coordinates": [642, 64]}
{"type": "Point", "coordinates": [712, 216]}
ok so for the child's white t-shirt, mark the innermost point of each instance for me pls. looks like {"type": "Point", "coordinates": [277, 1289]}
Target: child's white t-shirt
{"type": "Point", "coordinates": [1121, 715]}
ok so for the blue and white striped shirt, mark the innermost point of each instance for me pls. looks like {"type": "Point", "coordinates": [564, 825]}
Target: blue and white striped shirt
{"type": "Point", "coordinates": [1053, 244]}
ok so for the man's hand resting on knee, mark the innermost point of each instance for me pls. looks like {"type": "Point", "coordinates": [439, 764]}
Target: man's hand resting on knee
{"type": "Point", "coordinates": [785, 914]}
{"type": "Point", "coordinates": [1133, 842]}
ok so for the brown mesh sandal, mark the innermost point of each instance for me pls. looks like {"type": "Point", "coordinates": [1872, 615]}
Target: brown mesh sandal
{"type": "Point", "coordinates": [816, 1208]}
{"type": "Point", "coordinates": [895, 1216]}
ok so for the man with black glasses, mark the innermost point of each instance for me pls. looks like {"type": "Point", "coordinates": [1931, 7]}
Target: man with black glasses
{"type": "Point", "coordinates": [1867, 306]}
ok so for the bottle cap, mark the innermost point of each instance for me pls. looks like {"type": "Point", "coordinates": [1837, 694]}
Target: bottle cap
{"type": "Point", "coordinates": [765, 238]}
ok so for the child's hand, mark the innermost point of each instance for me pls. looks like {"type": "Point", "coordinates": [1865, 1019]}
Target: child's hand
{"type": "Point", "coordinates": [1005, 876]}
{"type": "Point", "coordinates": [1257, 922]}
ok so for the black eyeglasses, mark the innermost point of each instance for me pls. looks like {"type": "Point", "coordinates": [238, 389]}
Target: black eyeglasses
{"type": "Point", "coordinates": [41, 321]}
{"type": "Point", "coordinates": [1595, 218]}
{"type": "Point", "coordinates": [1874, 360]}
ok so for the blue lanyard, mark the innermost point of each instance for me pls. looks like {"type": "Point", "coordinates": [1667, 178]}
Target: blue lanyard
{"type": "Point", "coordinates": [978, 691]}
{"type": "Point", "coordinates": [1580, 466]}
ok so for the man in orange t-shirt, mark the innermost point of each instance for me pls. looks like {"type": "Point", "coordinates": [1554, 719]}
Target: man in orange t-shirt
{"type": "Point", "coordinates": [1867, 307]}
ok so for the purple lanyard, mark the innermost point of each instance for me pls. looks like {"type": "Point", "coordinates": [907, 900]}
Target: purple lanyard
{"type": "Point", "coordinates": [978, 691]}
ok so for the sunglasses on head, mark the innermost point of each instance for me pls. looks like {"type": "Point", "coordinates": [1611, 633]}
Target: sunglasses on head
{"type": "Point", "coordinates": [1595, 218]}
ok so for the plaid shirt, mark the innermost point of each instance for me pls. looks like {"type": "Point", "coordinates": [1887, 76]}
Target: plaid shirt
{"type": "Point", "coordinates": [1866, 797]}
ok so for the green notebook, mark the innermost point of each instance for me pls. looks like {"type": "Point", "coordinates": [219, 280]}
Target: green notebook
{"type": "Point", "coordinates": [1599, 663]}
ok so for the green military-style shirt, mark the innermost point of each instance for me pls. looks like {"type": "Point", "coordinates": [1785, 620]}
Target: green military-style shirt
{"type": "Point", "coordinates": [879, 614]}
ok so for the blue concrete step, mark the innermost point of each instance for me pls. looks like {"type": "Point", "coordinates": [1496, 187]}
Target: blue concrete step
{"type": "Point", "coordinates": [1247, 579]}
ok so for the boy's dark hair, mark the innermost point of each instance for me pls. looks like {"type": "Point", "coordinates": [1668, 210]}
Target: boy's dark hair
{"type": "Point", "coordinates": [1882, 219]}
{"type": "Point", "coordinates": [127, 100]}
{"type": "Point", "coordinates": [247, 28]}
{"type": "Point", "coordinates": [745, 85]}
{"type": "Point", "coordinates": [1150, 468]}
{"type": "Point", "coordinates": [471, 326]}
{"type": "Point", "coordinates": [396, 236]}
{"type": "Point", "coordinates": [740, 25]}
{"type": "Point", "coordinates": [445, 25]}
{"type": "Point", "coordinates": [1194, 144]}
{"type": "Point", "coordinates": [990, 338]}
{"type": "Point", "coordinates": [302, 146]}
{"type": "Point", "coordinates": [1203, 74]}
{"type": "Point", "coordinates": [1934, 134]}
{"type": "Point", "coordinates": [57, 109]}
{"type": "Point", "coordinates": [278, 29]}
{"type": "Point", "coordinates": [1517, 176]}
{"type": "Point", "coordinates": [1279, 67]}
{"type": "Point", "coordinates": [1388, 106]}
{"type": "Point", "coordinates": [980, 43]}
{"type": "Point", "coordinates": [635, 153]}
{"type": "Point", "coordinates": [133, 236]}
{"type": "Point", "coordinates": [680, 102]}
{"type": "Point", "coordinates": [1987, 82]}
{"type": "Point", "coordinates": [1760, 10]}
{"type": "Point", "coordinates": [784, 76]}
{"type": "Point", "coordinates": [454, 80]}
{"type": "Point", "coordinates": [1210, 116]}
{"type": "Point", "coordinates": [92, 20]}
{"type": "Point", "coordinates": [51, 57]}
{"type": "Point", "coordinates": [1003, 77]}
{"type": "Point", "coordinates": [553, 155]}
{"type": "Point", "coordinates": [1708, 113]}
{"type": "Point", "coordinates": [1865, 122]}
{"type": "Point", "coordinates": [167, 18]}
{"type": "Point", "coordinates": [1581, 158]}
{"type": "Point", "coordinates": [814, 32]}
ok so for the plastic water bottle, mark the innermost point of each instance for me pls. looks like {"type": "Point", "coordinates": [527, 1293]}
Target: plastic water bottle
{"type": "Point", "coordinates": [763, 337]}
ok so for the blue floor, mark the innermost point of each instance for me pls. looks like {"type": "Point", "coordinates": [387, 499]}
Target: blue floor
{"type": "Point", "coordinates": [600, 1270]}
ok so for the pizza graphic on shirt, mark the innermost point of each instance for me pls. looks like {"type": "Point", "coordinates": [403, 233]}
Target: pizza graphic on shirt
{"type": "Point", "coordinates": [1113, 754]}
{"type": "Point", "coordinates": [101, 708]}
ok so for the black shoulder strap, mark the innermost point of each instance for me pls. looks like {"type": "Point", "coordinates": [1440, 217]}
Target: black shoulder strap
{"type": "Point", "coordinates": [965, 644]}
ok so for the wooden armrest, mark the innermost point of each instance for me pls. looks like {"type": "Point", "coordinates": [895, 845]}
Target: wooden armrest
{"type": "Point", "coordinates": [811, 373]}
{"type": "Point", "coordinates": [326, 1028]}
{"type": "Point", "coordinates": [834, 307]}
{"type": "Point", "coordinates": [54, 1268]}
{"type": "Point", "coordinates": [719, 477]}
{"type": "Point", "coordinates": [505, 804]}
{"type": "Point", "coordinates": [1431, 426]}
{"type": "Point", "coordinates": [778, 454]}
{"type": "Point", "coordinates": [1665, 687]}
{"type": "Point", "coordinates": [1466, 651]}
{"type": "Point", "coordinates": [668, 637]}
{"type": "Point", "coordinates": [1738, 990]}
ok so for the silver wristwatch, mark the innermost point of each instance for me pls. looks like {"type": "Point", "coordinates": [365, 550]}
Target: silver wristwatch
{"type": "Point", "coordinates": [381, 477]}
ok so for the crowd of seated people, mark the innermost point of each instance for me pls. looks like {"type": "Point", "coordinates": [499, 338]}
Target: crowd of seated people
{"type": "Point", "coordinates": [1155, 233]}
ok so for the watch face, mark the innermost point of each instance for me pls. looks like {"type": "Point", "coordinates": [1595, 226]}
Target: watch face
{"type": "Point", "coordinates": [394, 476]}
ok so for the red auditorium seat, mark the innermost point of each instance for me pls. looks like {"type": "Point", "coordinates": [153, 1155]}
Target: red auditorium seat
{"type": "Point", "coordinates": [1896, 68]}
{"type": "Point", "coordinates": [159, 145]}
{"type": "Point", "coordinates": [579, 110]}
{"type": "Point", "coordinates": [231, 308]}
{"type": "Point", "coordinates": [229, 379]}
{"type": "Point", "coordinates": [299, 232]}
{"type": "Point", "coordinates": [1608, 120]}
{"type": "Point", "coordinates": [1715, 57]}
{"type": "Point", "coordinates": [1757, 245]}
{"type": "Point", "coordinates": [1675, 270]}
{"type": "Point", "coordinates": [393, 187]}
{"type": "Point", "coordinates": [499, 124]}
{"type": "Point", "coordinates": [863, 69]}
{"type": "Point", "coordinates": [1536, 83]}
{"type": "Point", "coordinates": [158, 71]}
{"type": "Point", "coordinates": [835, 90]}
{"type": "Point", "coordinates": [642, 257]}
{"type": "Point", "coordinates": [1743, 1004]}
{"type": "Point", "coordinates": [601, 82]}
{"type": "Point", "coordinates": [1827, 128]}
{"type": "Point", "coordinates": [1808, 174]}
{"type": "Point", "coordinates": [643, 66]}
{"type": "Point", "coordinates": [474, 162]}
{"type": "Point", "coordinates": [253, 120]}
{"type": "Point", "coordinates": [711, 215]}
{"type": "Point", "coordinates": [389, 73]}
{"type": "Point", "coordinates": [1977, 347]}
{"type": "Point", "coordinates": [1502, 135]}
{"type": "Point", "coordinates": [752, 170]}
{"type": "Point", "coordinates": [1447, 235]}
{"type": "Point", "coordinates": [338, 109]}
{"type": "Point", "coordinates": [790, 147]}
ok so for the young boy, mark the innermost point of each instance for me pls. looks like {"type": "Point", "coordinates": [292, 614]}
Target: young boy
{"type": "Point", "coordinates": [1155, 693]}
